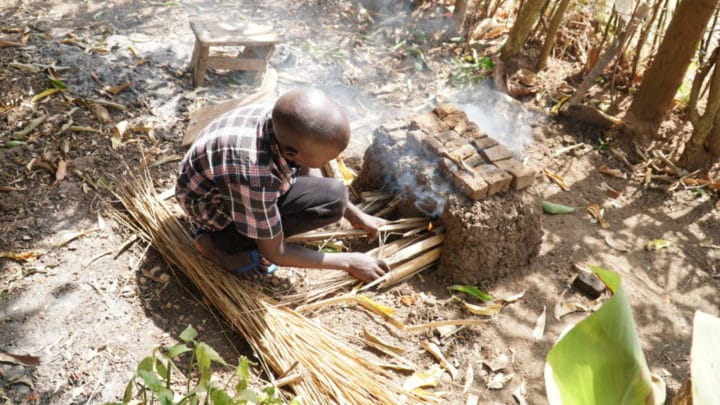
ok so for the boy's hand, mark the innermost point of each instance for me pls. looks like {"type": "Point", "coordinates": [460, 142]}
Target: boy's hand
{"type": "Point", "coordinates": [366, 268]}
{"type": "Point", "coordinates": [367, 223]}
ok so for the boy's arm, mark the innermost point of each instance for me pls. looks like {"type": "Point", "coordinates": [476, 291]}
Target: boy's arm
{"type": "Point", "coordinates": [358, 265]}
{"type": "Point", "coordinates": [361, 220]}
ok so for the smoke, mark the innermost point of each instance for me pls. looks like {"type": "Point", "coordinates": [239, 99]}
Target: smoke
{"type": "Point", "coordinates": [500, 116]}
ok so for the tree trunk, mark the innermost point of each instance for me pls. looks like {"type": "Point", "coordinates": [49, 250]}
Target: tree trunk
{"type": "Point", "coordinates": [654, 99]}
{"type": "Point", "coordinates": [550, 36]}
{"type": "Point", "coordinates": [458, 18]}
{"type": "Point", "coordinates": [521, 29]}
{"type": "Point", "coordinates": [643, 39]}
{"type": "Point", "coordinates": [701, 151]}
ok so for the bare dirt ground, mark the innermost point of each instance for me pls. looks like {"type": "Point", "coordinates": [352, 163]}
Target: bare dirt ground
{"type": "Point", "coordinates": [91, 311]}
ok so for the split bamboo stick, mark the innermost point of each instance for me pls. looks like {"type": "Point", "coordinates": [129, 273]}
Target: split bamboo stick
{"type": "Point", "coordinates": [393, 226]}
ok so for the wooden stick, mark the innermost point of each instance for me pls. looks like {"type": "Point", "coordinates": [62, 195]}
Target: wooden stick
{"type": "Point", "coordinates": [410, 268]}
{"type": "Point", "coordinates": [415, 249]}
{"type": "Point", "coordinates": [398, 225]}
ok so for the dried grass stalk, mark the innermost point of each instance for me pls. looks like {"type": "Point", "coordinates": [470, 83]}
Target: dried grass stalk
{"type": "Point", "coordinates": [332, 371]}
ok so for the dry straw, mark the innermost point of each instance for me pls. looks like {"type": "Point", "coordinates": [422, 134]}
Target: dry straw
{"type": "Point", "coordinates": [331, 371]}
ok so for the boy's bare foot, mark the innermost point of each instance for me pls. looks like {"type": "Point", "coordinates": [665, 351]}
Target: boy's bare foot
{"type": "Point", "coordinates": [239, 263]}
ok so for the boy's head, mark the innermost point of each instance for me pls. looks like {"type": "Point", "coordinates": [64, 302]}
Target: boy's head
{"type": "Point", "coordinates": [310, 127]}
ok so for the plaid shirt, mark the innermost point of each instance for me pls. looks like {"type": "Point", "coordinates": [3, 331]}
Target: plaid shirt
{"type": "Point", "coordinates": [234, 174]}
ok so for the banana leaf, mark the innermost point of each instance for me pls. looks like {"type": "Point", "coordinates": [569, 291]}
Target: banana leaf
{"type": "Point", "coordinates": [705, 359]}
{"type": "Point", "coordinates": [600, 360]}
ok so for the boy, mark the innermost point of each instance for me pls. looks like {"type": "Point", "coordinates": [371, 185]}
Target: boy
{"type": "Point", "coordinates": [244, 185]}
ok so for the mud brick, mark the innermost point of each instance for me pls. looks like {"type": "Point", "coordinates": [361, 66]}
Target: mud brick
{"type": "Point", "coordinates": [443, 110]}
{"type": "Point", "coordinates": [523, 176]}
{"type": "Point", "coordinates": [456, 143]}
{"type": "Point", "coordinates": [432, 145]}
{"type": "Point", "coordinates": [429, 123]}
{"type": "Point", "coordinates": [398, 135]}
{"type": "Point", "coordinates": [473, 131]}
{"type": "Point", "coordinates": [473, 186]}
{"type": "Point", "coordinates": [464, 151]}
{"type": "Point", "coordinates": [475, 160]}
{"type": "Point", "coordinates": [589, 284]}
{"type": "Point", "coordinates": [447, 136]}
{"type": "Point", "coordinates": [393, 125]}
{"type": "Point", "coordinates": [484, 143]}
{"type": "Point", "coordinates": [496, 153]}
{"type": "Point", "coordinates": [448, 167]}
{"type": "Point", "coordinates": [498, 180]}
{"type": "Point", "coordinates": [415, 137]}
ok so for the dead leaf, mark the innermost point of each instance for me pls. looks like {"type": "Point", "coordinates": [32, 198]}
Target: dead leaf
{"type": "Point", "coordinates": [611, 192]}
{"type": "Point", "coordinates": [498, 381]}
{"type": "Point", "coordinates": [408, 300]}
{"type": "Point", "coordinates": [61, 170]}
{"type": "Point", "coordinates": [539, 330]}
{"type": "Point", "coordinates": [619, 246]}
{"type": "Point", "coordinates": [563, 308]}
{"type": "Point", "coordinates": [598, 215]}
{"type": "Point", "coordinates": [101, 113]}
{"type": "Point", "coordinates": [486, 310]}
{"type": "Point", "coordinates": [520, 393]}
{"type": "Point", "coordinates": [469, 377]}
{"type": "Point", "coordinates": [115, 90]}
{"type": "Point", "coordinates": [21, 360]}
{"type": "Point", "coordinates": [419, 379]}
{"type": "Point", "coordinates": [498, 363]}
{"type": "Point", "coordinates": [10, 188]}
{"type": "Point", "coordinates": [140, 63]}
{"type": "Point", "coordinates": [612, 172]}
{"type": "Point", "coordinates": [434, 350]}
{"type": "Point", "coordinates": [118, 132]}
{"type": "Point", "coordinates": [72, 235]}
{"type": "Point", "coordinates": [166, 159]}
{"type": "Point", "coordinates": [24, 256]}
{"type": "Point", "coordinates": [556, 179]}
{"type": "Point", "coordinates": [657, 244]}
{"type": "Point", "coordinates": [511, 298]}
{"type": "Point", "coordinates": [374, 339]}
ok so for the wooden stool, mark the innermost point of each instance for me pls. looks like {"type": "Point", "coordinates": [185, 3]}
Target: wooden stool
{"type": "Point", "coordinates": [258, 42]}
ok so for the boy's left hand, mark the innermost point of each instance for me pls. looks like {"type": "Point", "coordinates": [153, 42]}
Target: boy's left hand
{"type": "Point", "coordinates": [367, 223]}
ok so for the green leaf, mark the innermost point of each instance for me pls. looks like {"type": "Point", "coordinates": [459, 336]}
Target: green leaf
{"type": "Point", "coordinates": [146, 364]}
{"type": "Point", "coordinates": [600, 360]}
{"type": "Point", "coordinates": [58, 84]}
{"type": "Point", "coordinates": [243, 373]}
{"type": "Point", "coordinates": [127, 395]}
{"type": "Point", "coordinates": [554, 209]}
{"type": "Point", "coordinates": [151, 380]}
{"type": "Point", "coordinates": [162, 371]}
{"type": "Point", "coordinates": [177, 350]}
{"type": "Point", "coordinates": [214, 356]}
{"type": "Point", "coordinates": [475, 292]}
{"type": "Point", "coordinates": [220, 397]}
{"type": "Point", "coordinates": [12, 144]}
{"type": "Point", "coordinates": [705, 359]}
{"type": "Point", "coordinates": [189, 334]}
{"type": "Point", "coordinates": [246, 395]}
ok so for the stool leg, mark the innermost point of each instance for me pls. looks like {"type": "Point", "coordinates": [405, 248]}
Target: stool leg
{"type": "Point", "coordinates": [258, 52]}
{"type": "Point", "coordinates": [200, 55]}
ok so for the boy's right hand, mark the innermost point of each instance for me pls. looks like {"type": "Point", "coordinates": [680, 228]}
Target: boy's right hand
{"type": "Point", "coordinates": [366, 268]}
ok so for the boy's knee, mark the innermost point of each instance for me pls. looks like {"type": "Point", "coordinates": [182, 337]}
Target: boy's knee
{"type": "Point", "coordinates": [337, 199]}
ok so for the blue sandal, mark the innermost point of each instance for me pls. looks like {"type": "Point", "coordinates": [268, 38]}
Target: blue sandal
{"type": "Point", "coordinates": [253, 267]}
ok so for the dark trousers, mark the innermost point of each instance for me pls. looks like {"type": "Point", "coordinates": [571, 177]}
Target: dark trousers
{"type": "Point", "coordinates": [311, 203]}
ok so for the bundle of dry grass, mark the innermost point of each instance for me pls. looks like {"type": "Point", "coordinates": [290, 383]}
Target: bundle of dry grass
{"type": "Point", "coordinates": [331, 371]}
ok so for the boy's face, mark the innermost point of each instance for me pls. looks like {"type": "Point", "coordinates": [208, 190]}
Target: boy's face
{"type": "Point", "coordinates": [306, 152]}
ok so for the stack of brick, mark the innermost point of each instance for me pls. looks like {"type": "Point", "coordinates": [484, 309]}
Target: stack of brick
{"type": "Point", "coordinates": [474, 162]}
{"type": "Point", "coordinates": [493, 225]}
